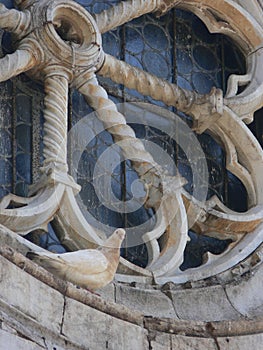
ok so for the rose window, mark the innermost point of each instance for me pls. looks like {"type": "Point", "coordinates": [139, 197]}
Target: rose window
{"type": "Point", "coordinates": [133, 114]}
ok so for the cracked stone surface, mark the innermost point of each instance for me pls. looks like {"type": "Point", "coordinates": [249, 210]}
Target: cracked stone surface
{"type": "Point", "coordinates": [245, 296]}
{"type": "Point", "coordinates": [160, 341]}
{"type": "Point", "coordinates": [55, 321]}
{"type": "Point", "coordinates": [245, 342]}
{"type": "Point", "coordinates": [12, 341]}
{"type": "Point", "coordinates": [149, 302]}
{"type": "Point", "coordinates": [30, 295]}
{"type": "Point", "coordinates": [190, 343]}
{"type": "Point", "coordinates": [207, 304]}
{"type": "Point", "coordinates": [95, 330]}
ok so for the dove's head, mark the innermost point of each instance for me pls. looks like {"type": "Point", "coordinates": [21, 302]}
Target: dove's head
{"type": "Point", "coordinates": [115, 240]}
{"type": "Point", "coordinates": [120, 233]}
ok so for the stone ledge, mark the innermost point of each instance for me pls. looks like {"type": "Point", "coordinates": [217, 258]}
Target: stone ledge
{"type": "Point", "coordinates": [205, 329]}
{"type": "Point", "coordinates": [86, 317]}
{"type": "Point", "coordinates": [69, 290]}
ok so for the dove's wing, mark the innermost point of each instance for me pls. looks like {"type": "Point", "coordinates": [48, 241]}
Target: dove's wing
{"type": "Point", "coordinates": [88, 268]}
{"type": "Point", "coordinates": [87, 262]}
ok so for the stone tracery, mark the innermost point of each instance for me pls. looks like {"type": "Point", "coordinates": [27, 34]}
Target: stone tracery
{"type": "Point", "coordinates": [76, 64]}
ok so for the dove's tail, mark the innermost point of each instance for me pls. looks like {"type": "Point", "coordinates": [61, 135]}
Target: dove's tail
{"type": "Point", "coordinates": [32, 255]}
{"type": "Point", "coordinates": [49, 261]}
{"type": "Point", "coordinates": [38, 258]}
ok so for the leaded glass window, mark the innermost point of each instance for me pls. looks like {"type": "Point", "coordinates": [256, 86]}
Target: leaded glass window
{"type": "Point", "coordinates": [178, 48]}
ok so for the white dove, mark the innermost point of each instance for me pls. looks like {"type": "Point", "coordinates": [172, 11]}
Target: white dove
{"type": "Point", "coordinates": [89, 268]}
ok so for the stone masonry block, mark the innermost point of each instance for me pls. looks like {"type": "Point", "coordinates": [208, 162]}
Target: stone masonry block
{"type": "Point", "coordinates": [247, 297]}
{"type": "Point", "coordinates": [9, 341]}
{"type": "Point", "coordinates": [107, 293]}
{"type": "Point", "coordinates": [160, 341]}
{"type": "Point", "coordinates": [203, 304]}
{"type": "Point", "coordinates": [30, 296]}
{"type": "Point", "coordinates": [192, 343]}
{"type": "Point", "coordinates": [149, 302]}
{"type": "Point", "coordinates": [93, 330]}
{"type": "Point", "coordinates": [246, 342]}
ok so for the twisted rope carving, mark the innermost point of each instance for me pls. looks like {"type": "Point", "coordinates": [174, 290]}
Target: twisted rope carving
{"type": "Point", "coordinates": [16, 63]}
{"type": "Point", "coordinates": [115, 123]}
{"type": "Point", "coordinates": [14, 21]}
{"type": "Point", "coordinates": [55, 126]}
{"type": "Point", "coordinates": [149, 85]}
{"type": "Point", "coordinates": [123, 13]}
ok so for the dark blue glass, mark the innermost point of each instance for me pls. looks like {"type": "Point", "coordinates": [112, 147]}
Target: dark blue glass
{"type": "Point", "coordinates": [204, 57]}
{"type": "Point", "coordinates": [198, 246]}
{"type": "Point", "coordinates": [257, 126]}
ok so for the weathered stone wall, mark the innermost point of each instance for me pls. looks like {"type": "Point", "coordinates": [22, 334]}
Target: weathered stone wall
{"type": "Point", "coordinates": [39, 311]}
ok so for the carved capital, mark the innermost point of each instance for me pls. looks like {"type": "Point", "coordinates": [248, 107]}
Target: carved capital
{"type": "Point", "coordinates": [207, 110]}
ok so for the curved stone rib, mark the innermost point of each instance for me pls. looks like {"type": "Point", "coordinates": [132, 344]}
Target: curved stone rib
{"type": "Point", "coordinates": [55, 126]}
{"type": "Point", "coordinates": [159, 89]}
{"type": "Point", "coordinates": [214, 219]}
{"type": "Point", "coordinates": [14, 21]}
{"type": "Point", "coordinates": [251, 99]}
{"type": "Point", "coordinates": [72, 224]}
{"type": "Point", "coordinates": [37, 214]}
{"type": "Point", "coordinates": [14, 199]}
{"type": "Point", "coordinates": [153, 250]}
{"type": "Point", "coordinates": [175, 237]}
{"type": "Point", "coordinates": [233, 164]}
{"type": "Point", "coordinates": [234, 81]}
{"type": "Point", "coordinates": [18, 62]}
{"type": "Point", "coordinates": [174, 223]}
{"type": "Point", "coordinates": [122, 13]}
{"type": "Point", "coordinates": [225, 17]}
{"type": "Point", "coordinates": [246, 150]}
{"type": "Point", "coordinates": [150, 238]}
